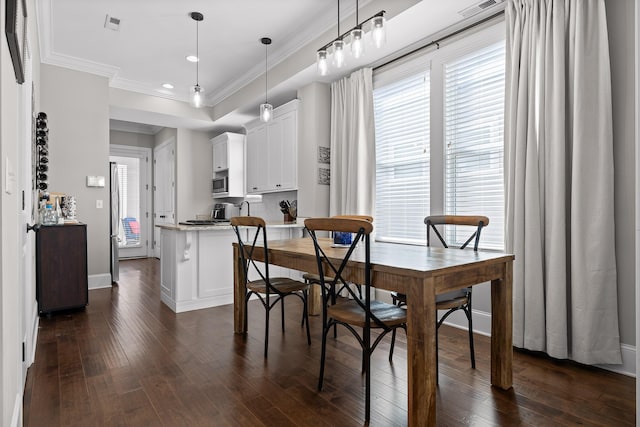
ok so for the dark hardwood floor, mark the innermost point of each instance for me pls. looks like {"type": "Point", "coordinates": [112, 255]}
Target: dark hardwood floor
{"type": "Point", "coordinates": [129, 360]}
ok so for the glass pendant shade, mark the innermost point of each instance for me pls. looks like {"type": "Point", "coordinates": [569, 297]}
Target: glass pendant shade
{"type": "Point", "coordinates": [357, 43]}
{"type": "Point", "coordinates": [197, 96]}
{"type": "Point", "coordinates": [378, 31]}
{"type": "Point", "coordinates": [266, 112]}
{"type": "Point", "coordinates": [322, 62]}
{"type": "Point", "coordinates": [338, 53]}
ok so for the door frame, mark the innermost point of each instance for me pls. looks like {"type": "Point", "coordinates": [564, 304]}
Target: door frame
{"type": "Point", "coordinates": [142, 153]}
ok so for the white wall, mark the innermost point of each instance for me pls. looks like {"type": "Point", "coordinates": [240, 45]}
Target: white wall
{"type": "Point", "coordinates": [77, 105]}
{"type": "Point", "coordinates": [194, 160]}
{"type": "Point", "coordinates": [620, 20]}
{"type": "Point", "coordinates": [314, 121]}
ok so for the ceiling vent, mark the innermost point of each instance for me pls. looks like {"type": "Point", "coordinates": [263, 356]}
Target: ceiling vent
{"type": "Point", "coordinates": [479, 7]}
{"type": "Point", "coordinates": [112, 23]}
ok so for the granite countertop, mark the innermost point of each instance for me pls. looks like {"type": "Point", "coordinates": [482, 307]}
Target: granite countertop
{"type": "Point", "coordinates": [217, 227]}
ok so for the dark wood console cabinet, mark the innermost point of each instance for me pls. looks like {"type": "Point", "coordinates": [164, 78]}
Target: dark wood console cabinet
{"type": "Point", "coordinates": [61, 267]}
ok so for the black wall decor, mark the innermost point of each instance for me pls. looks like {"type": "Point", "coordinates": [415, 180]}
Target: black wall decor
{"type": "Point", "coordinates": [15, 27]}
{"type": "Point", "coordinates": [41, 173]}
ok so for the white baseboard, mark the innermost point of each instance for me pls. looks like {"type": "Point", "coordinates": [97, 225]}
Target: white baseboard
{"type": "Point", "coordinates": [34, 336]}
{"type": "Point", "coordinates": [199, 304]}
{"type": "Point", "coordinates": [99, 281]}
{"type": "Point", "coordinates": [482, 326]}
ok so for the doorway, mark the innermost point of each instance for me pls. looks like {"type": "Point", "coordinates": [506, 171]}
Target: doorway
{"type": "Point", "coordinates": [134, 177]}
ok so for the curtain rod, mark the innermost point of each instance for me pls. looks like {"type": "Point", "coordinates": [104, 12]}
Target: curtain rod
{"type": "Point", "coordinates": [437, 42]}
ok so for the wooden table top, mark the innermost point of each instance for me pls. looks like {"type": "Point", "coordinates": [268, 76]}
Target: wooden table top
{"type": "Point", "coordinates": [420, 261]}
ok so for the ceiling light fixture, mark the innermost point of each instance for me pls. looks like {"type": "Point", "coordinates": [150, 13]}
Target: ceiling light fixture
{"type": "Point", "coordinates": [197, 92]}
{"type": "Point", "coordinates": [192, 58]}
{"type": "Point", "coordinates": [167, 85]}
{"type": "Point", "coordinates": [355, 36]}
{"type": "Point", "coordinates": [266, 109]}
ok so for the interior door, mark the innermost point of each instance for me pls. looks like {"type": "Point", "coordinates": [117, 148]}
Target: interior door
{"type": "Point", "coordinates": [28, 215]}
{"type": "Point", "coordinates": [164, 189]}
{"type": "Point", "coordinates": [134, 174]}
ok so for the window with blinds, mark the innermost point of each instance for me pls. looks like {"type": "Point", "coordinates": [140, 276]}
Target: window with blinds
{"type": "Point", "coordinates": [439, 139]}
{"type": "Point", "coordinates": [402, 159]}
{"type": "Point", "coordinates": [474, 137]}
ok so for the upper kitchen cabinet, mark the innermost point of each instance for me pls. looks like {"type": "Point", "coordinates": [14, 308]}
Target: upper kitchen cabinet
{"type": "Point", "coordinates": [272, 152]}
{"type": "Point", "coordinates": [228, 165]}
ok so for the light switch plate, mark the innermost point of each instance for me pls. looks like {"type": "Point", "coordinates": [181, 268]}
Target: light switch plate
{"type": "Point", "coordinates": [99, 204]}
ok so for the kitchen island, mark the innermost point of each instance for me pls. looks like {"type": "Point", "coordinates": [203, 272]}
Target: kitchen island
{"type": "Point", "coordinates": [196, 263]}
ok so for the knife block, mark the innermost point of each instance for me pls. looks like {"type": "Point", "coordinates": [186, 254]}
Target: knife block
{"type": "Point", "coordinates": [288, 218]}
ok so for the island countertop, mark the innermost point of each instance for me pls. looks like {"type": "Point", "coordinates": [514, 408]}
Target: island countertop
{"type": "Point", "coordinates": [217, 227]}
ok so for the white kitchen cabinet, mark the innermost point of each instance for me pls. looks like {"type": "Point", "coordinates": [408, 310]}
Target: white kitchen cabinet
{"type": "Point", "coordinates": [256, 155]}
{"type": "Point", "coordinates": [228, 162]}
{"type": "Point", "coordinates": [272, 152]}
{"type": "Point", "coordinates": [220, 162]}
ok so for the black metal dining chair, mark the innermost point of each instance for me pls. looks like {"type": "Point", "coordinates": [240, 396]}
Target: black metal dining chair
{"type": "Point", "coordinates": [266, 287]}
{"type": "Point", "coordinates": [355, 312]}
{"type": "Point", "coordinates": [458, 299]}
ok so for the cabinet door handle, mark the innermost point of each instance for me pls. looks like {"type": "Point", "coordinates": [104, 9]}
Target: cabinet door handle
{"type": "Point", "coordinates": [34, 228]}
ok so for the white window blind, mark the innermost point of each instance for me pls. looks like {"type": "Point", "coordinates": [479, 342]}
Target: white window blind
{"type": "Point", "coordinates": [474, 137]}
{"type": "Point", "coordinates": [402, 158]}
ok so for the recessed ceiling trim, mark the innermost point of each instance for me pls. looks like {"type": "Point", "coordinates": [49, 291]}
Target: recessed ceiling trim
{"type": "Point", "coordinates": [136, 86]}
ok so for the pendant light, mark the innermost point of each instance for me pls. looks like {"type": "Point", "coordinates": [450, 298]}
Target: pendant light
{"type": "Point", "coordinates": [357, 38]}
{"type": "Point", "coordinates": [338, 46]}
{"type": "Point", "coordinates": [197, 91]}
{"type": "Point", "coordinates": [266, 109]}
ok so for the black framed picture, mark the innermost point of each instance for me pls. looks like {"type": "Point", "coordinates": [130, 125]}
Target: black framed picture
{"type": "Point", "coordinates": [15, 27]}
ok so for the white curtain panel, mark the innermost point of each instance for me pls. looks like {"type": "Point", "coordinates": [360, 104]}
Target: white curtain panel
{"type": "Point", "coordinates": [353, 155]}
{"type": "Point", "coordinates": [559, 179]}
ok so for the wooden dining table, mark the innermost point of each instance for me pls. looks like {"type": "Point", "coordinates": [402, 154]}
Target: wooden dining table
{"type": "Point", "coordinates": [421, 273]}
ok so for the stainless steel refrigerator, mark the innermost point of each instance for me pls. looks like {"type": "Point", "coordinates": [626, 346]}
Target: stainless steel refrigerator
{"type": "Point", "coordinates": [114, 229]}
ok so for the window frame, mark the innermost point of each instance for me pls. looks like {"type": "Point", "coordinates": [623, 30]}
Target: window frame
{"type": "Point", "coordinates": [434, 60]}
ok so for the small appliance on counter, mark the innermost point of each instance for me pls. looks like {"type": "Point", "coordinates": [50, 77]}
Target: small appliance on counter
{"type": "Point", "coordinates": [224, 211]}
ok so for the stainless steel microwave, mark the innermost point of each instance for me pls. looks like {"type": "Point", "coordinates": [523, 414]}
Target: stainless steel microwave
{"type": "Point", "coordinates": [220, 185]}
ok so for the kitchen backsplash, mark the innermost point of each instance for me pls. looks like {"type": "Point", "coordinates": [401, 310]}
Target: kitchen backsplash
{"type": "Point", "coordinates": [268, 208]}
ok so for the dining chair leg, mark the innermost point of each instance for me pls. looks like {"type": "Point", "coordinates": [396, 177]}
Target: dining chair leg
{"type": "Point", "coordinates": [282, 312]}
{"type": "Point", "coordinates": [266, 331]}
{"type": "Point", "coordinates": [467, 311]}
{"type": "Point", "coordinates": [323, 354]}
{"type": "Point", "coordinates": [305, 314]}
{"type": "Point", "coordinates": [437, 362]}
{"type": "Point", "coordinates": [367, 376]}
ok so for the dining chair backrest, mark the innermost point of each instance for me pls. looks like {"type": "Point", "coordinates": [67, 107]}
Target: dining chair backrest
{"type": "Point", "coordinates": [362, 217]}
{"type": "Point", "coordinates": [256, 237]}
{"type": "Point", "coordinates": [335, 264]}
{"type": "Point", "coordinates": [477, 221]}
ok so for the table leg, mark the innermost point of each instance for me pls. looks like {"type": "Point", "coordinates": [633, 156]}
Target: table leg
{"type": "Point", "coordinates": [315, 300]}
{"type": "Point", "coordinates": [502, 329]}
{"type": "Point", "coordinates": [239, 313]}
{"type": "Point", "coordinates": [421, 352]}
